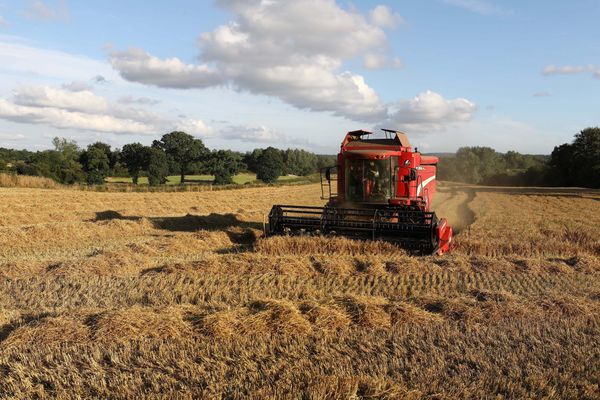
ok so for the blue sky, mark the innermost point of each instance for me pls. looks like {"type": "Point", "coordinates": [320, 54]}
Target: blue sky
{"type": "Point", "coordinates": [245, 74]}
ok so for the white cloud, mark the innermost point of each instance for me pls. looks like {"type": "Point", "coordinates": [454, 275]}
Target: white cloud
{"type": "Point", "coordinates": [566, 69]}
{"type": "Point", "coordinates": [571, 70]}
{"type": "Point", "coordinates": [77, 86]}
{"type": "Point", "coordinates": [430, 111]}
{"type": "Point", "coordinates": [99, 79]}
{"type": "Point", "coordinates": [39, 10]}
{"type": "Point", "coordinates": [74, 105]}
{"type": "Point", "coordinates": [139, 66]}
{"type": "Point", "coordinates": [375, 61]}
{"type": "Point", "coordinates": [383, 17]}
{"type": "Point", "coordinates": [195, 127]}
{"type": "Point", "coordinates": [21, 57]}
{"type": "Point", "coordinates": [3, 22]}
{"type": "Point", "coordinates": [479, 7]}
{"type": "Point", "coordinates": [12, 136]}
{"type": "Point", "coordinates": [290, 50]}
{"type": "Point", "coordinates": [81, 110]}
{"type": "Point", "coordinates": [253, 134]}
{"type": "Point", "coordinates": [45, 96]}
{"type": "Point", "coordinates": [128, 99]}
{"type": "Point", "coordinates": [295, 51]}
{"type": "Point", "coordinates": [64, 119]}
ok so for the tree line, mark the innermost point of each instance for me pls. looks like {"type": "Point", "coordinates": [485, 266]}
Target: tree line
{"type": "Point", "coordinates": [570, 164]}
{"type": "Point", "coordinates": [176, 153]}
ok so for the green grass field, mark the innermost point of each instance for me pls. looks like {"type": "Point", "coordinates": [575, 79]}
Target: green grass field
{"type": "Point", "coordinates": [175, 179]}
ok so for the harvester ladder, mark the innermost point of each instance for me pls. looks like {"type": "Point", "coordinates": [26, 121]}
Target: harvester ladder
{"type": "Point", "coordinates": [329, 186]}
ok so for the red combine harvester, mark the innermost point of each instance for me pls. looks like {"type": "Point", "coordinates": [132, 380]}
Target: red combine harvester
{"type": "Point", "coordinates": [380, 189]}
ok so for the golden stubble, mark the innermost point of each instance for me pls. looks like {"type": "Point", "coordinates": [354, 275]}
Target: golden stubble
{"type": "Point", "coordinates": [141, 294]}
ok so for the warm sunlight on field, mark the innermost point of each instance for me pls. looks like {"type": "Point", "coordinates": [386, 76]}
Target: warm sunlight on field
{"type": "Point", "coordinates": [164, 294]}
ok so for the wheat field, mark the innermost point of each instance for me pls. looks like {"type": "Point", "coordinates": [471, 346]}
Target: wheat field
{"type": "Point", "coordinates": [179, 295]}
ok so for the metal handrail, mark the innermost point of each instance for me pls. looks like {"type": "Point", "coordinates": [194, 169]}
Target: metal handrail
{"type": "Point", "coordinates": [419, 178]}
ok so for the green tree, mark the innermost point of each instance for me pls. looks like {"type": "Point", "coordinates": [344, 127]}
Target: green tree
{"type": "Point", "coordinates": [68, 148]}
{"type": "Point", "coordinates": [562, 165]}
{"type": "Point", "coordinates": [270, 165]}
{"type": "Point", "coordinates": [158, 166]}
{"type": "Point", "coordinates": [578, 163]}
{"type": "Point", "coordinates": [112, 156]}
{"type": "Point", "coordinates": [251, 160]}
{"type": "Point", "coordinates": [183, 149]}
{"type": "Point", "coordinates": [514, 160]}
{"type": "Point", "coordinates": [62, 164]}
{"type": "Point", "coordinates": [135, 157]}
{"type": "Point", "coordinates": [224, 164]}
{"type": "Point", "coordinates": [467, 165]}
{"type": "Point", "coordinates": [447, 169]}
{"type": "Point", "coordinates": [474, 164]}
{"type": "Point", "coordinates": [96, 164]}
{"type": "Point", "coordinates": [587, 157]}
{"type": "Point", "coordinates": [300, 162]}
{"type": "Point", "coordinates": [325, 161]}
{"type": "Point", "coordinates": [490, 161]}
{"type": "Point", "coordinates": [25, 168]}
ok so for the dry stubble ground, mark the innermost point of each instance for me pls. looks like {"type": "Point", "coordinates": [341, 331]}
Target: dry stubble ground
{"type": "Point", "coordinates": [176, 294]}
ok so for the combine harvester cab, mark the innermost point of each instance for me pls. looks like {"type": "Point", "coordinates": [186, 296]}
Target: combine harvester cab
{"type": "Point", "coordinates": [380, 189]}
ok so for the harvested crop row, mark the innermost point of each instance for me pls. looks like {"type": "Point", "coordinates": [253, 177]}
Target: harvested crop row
{"type": "Point", "coordinates": [219, 320]}
{"type": "Point", "coordinates": [423, 359]}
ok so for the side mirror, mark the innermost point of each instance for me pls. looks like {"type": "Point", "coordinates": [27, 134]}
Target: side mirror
{"type": "Point", "coordinates": [328, 173]}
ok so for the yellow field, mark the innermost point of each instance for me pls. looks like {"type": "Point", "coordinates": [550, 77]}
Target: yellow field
{"type": "Point", "coordinates": [129, 295]}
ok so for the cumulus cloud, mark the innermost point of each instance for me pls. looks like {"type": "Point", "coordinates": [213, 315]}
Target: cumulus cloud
{"type": "Point", "coordinates": [45, 96]}
{"type": "Point", "coordinates": [430, 111]}
{"type": "Point", "coordinates": [39, 10]}
{"type": "Point", "coordinates": [264, 135]}
{"type": "Point", "coordinates": [195, 127]}
{"type": "Point", "coordinates": [64, 119]}
{"type": "Point", "coordinates": [84, 110]}
{"type": "Point", "coordinates": [295, 51]}
{"type": "Point", "coordinates": [383, 17]}
{"type": "Point", "coordinates": [279, 49]}
{"type": "Point", "coordinates": [479, 7]}
{"type": "Point", "coordinates": [253, 134]}
{"type": "Point", "coordinates": [137, 65]}
{"type": "Point", "coordinates": [571, 70]}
